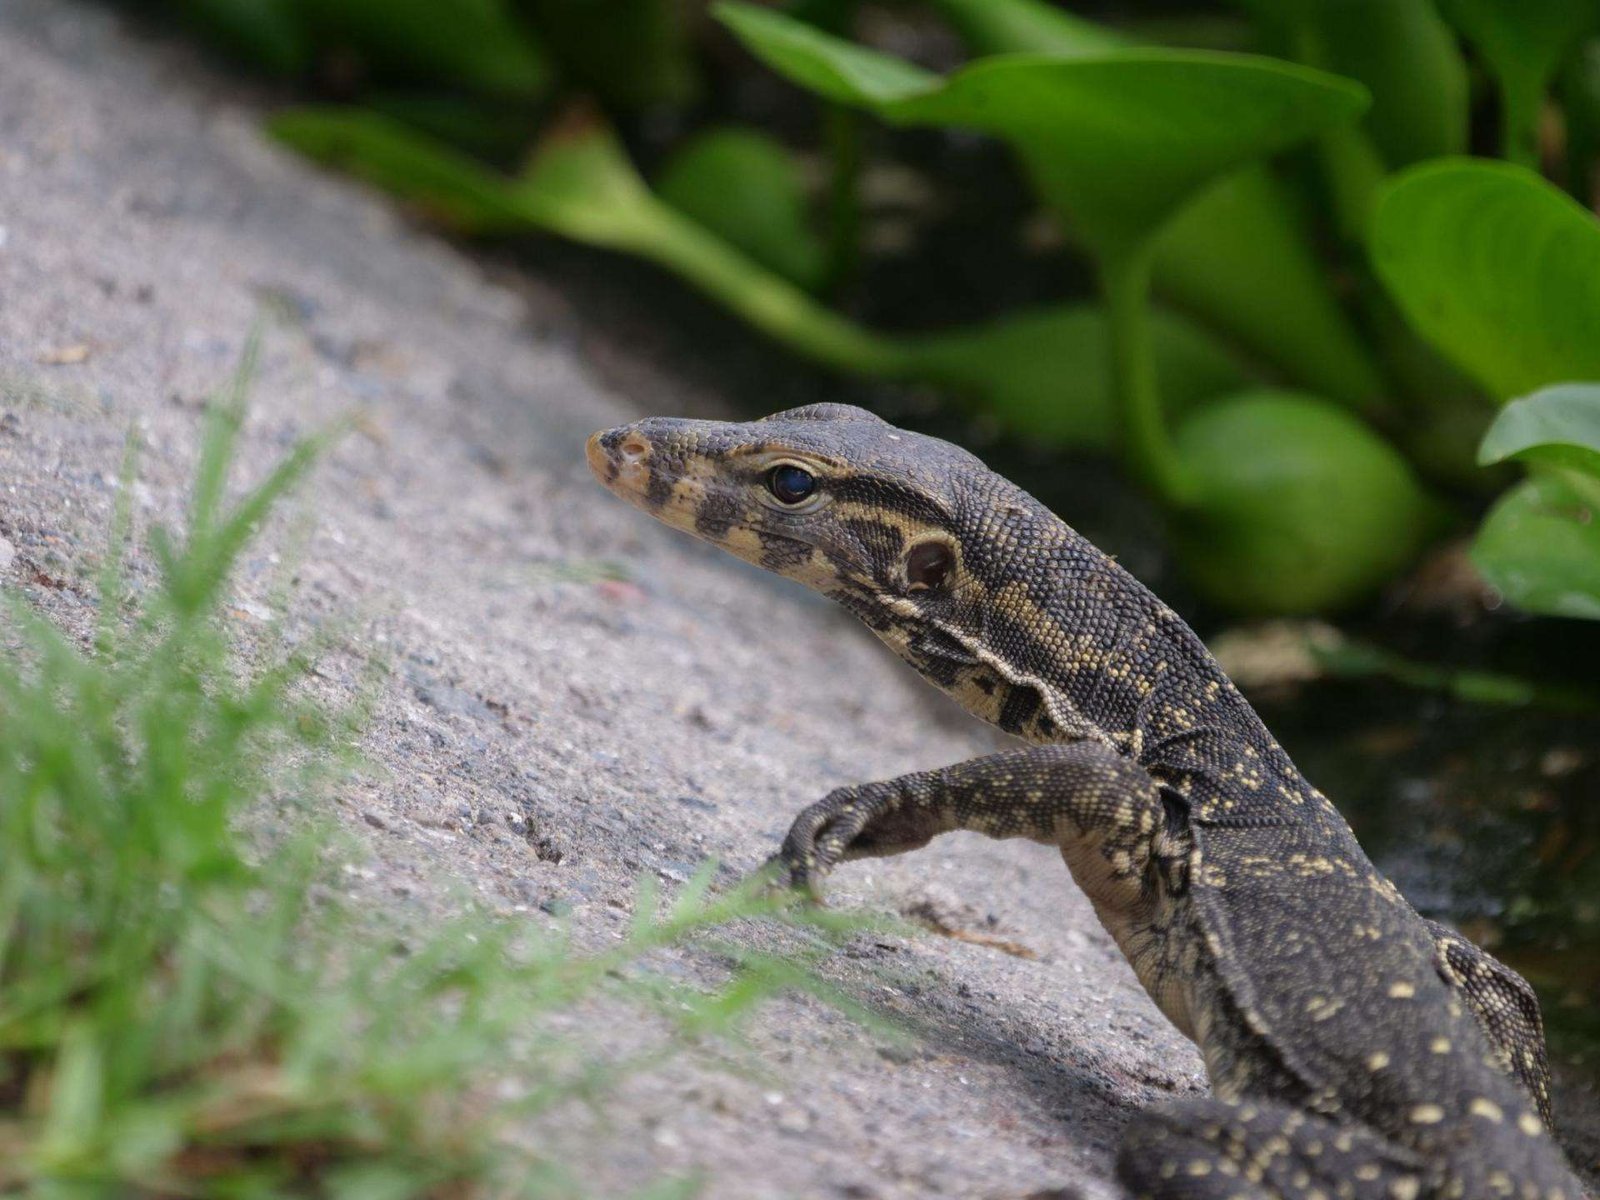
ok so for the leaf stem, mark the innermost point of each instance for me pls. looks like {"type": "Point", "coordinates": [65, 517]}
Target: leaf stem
{"type": "Point", "coordinates": [1521, 109]}
{"type": "Point", "coordinates": [762, 298]}
{"type": "Point", "coordinates": [1146, 445]}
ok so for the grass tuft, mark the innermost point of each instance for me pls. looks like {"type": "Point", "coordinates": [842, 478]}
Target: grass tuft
{"type": "Point", "coordinates": [187, 1008]}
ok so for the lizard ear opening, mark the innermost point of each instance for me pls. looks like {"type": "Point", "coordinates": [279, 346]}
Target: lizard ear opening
{"type": "Point", "coordinates": [929, 565]}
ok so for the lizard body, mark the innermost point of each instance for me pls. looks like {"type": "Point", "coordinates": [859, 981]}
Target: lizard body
{"type": "Point", "coordinates": [1355, 1050]}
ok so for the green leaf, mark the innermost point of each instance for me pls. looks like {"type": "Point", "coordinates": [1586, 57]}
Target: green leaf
{"type": "Point", "coordinates": [1300, 506]}
{"type": "Point", "coordinates": [1557, 427]}
{"type": "Point", "coordinates": [1540, 548]}
{"type": "Point", "coordinates": [1523, 41]}
{"type": "Point", "coordinates": [1402, 52]}
{"type": "Point", "coordinates": [831, 67]}
{"type": "Point", "coordinates": [747, 188]}
{"type": "Point", "coordinates": [76, 1095]}
{"type": "Point", "coordinates": [1407, 57]}
{"type": "Point", "coordinates": [1496, 267]}
{"type": "Point", "coordinates": [1047, 374]}
{"type": "Point", "coordinates": [580, 183]}
{"type": "Point", "coordinates": [1238, 256]}
{"type": "Point", "coordinates": [1026, 26]}
{"type": "Point", "coordinates": [1117, 142]}
{"type": "Point", "coordinates": [1526, 35]}
{"type": "Point", "coordinates": [452, 187]}
{"type": "Point", "coordinates": [372, 1181]}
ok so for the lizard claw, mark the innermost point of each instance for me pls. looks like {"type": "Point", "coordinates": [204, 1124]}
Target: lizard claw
{"type": "Point", "coordinates": [782, 875]}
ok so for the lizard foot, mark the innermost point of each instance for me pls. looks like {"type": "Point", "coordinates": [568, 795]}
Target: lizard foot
{"type": "Point", "coordinates": [867, 820]}
{"type": "Point", "coordinates": [776, 878]}
{"type": "Point", "coordinates": [817, 841]}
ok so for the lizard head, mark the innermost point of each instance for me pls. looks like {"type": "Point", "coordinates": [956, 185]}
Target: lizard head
{"type": "Point", "coordinates": [829, 495]}
{"type": "Point", "coordinates": [913, 535]}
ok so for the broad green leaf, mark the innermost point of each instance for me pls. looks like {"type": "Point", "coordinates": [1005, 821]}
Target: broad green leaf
{"type": "Point", "coordinates": [579, 183]}
{"type": "Point", "coordinates": [747, 188]}
{"type": "Point", "coordinates": [1117, 142]}
{"type": "Point", "coordinates": [1238, 256]}
{"type": "Point", "coordinates": [1407, 58]}
{"type": "Point", "coordinates": [1301, 507]}
{"type": "Point", "coordinates": [832, 67]}
{"type": "Point", "coordinates": [1527, 35]}
{"type": "Point", "coordinates": [1047, 374]}
{"type": "Point", "coordinates": [1557, 427]}
{"type": "Point", "coordinates": [1404, 54]}
{"type": "Point", "coordinates": [1026, 27]}
{"type": "Point", "coordinates": [1540, 548]}
{"type": "Point", "coordinates": [449, 185]}
{"type": "Point", "coordinates": [1523, 41]}
{"type": "Point", "coordinates": [1497, 268]}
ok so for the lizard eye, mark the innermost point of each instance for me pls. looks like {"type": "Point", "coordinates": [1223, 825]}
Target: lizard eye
{"type": "Point", "coordinates": [928, 565]}
{"type": "Point", "coordinates": [790, 484]}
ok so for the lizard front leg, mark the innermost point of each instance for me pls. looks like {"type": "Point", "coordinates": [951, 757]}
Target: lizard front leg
{"type": "Point", "coordinates": [1102, 809]}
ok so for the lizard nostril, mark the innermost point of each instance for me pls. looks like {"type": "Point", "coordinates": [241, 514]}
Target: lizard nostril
{"type": "Point", "coordinates": [633, 448]}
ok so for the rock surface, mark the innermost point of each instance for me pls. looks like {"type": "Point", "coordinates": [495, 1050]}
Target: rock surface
{"type": "Point", "coordinates": [573, 695]}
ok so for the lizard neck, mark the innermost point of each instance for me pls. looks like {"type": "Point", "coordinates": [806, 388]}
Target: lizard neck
{"type": "Point", "coordinates": [1056, 642]}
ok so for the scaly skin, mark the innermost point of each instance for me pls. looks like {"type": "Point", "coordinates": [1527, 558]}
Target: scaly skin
{"type": "Point", "coordinates": [1354, 1049]}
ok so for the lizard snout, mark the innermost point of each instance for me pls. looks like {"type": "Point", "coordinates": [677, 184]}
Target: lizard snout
{"type": "Point", "coordinates": [619, 457]}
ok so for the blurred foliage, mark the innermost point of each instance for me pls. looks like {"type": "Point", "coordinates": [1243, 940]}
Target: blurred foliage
{"type": "Point", "coordinates": [1540, 545]}
{"type": "Point", "coordinates": [1304, 291]}
{"type": "Point", "coordinates": [1307, 517]}
{"type": "Point", "coordinates": [1497, 268]}
{"type": "Point", "coordinates": [751, 190]}
{"type": "Point", "coordinates": [630, 53]}
{"type": "Point", "coordinates": [1501, 270]}
{"type": "Point", "coordinates": [476, 45]}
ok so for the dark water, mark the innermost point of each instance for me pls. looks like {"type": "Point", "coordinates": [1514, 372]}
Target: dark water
{"type": "Point", "coordinates": [1486, 817]}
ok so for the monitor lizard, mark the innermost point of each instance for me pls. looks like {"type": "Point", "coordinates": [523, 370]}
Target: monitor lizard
{"type": "Point", "coordinates": [1355, 1050]}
